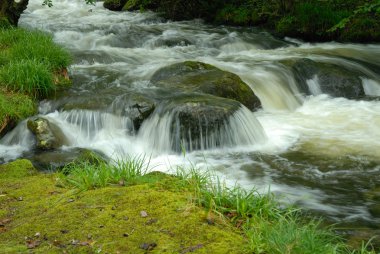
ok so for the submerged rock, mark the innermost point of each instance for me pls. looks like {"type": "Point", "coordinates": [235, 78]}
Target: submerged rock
{"type": "Point", "coordinates": [48, 135]}
{"type": "Point", "coordinates": [204, 78]}
{"type": "Point", "coordinates": [334, 80]}
{"type": "Point", "coordinates": [57, 159]}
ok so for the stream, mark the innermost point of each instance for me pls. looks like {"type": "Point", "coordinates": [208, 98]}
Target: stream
{"type": "Point", "coordinates": [318, 149]}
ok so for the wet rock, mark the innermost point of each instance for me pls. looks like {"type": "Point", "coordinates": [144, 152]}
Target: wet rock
{"type": "Point", "coordinates": [48, 135]}
{"type": "Point", "coordinates": [334, 80]}
{"type": "Point", "coordinates": [204, 78]}
{"type": "Point", "coordinates": [197, 120]}
{"type": "Point", "coordinates": [137, 106]}
{"type": "Point", "coordinates": [58, 159]}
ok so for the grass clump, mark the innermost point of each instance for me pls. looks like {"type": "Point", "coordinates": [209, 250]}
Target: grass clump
{"type": "Point", "coordinates": [34, 45]}
{"type": "Point", "coordinates": [87, 175]}
{"type": "Point", "coordinates": [28, 77]}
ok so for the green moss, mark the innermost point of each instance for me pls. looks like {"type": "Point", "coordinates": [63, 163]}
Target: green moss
{"type": "Point", "coordinates": [15, 107]}
{"type": "Point", "coordinates": [109, 219]}
{"type": "Point", "coordinates": [17, 169]}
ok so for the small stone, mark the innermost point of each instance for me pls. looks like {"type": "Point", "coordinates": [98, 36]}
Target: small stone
{"type": "Point", "coordinates": [64, 231]}
{"type": "Point", "coordinates": [70, 200]}
{"type": "Point", "coordinates": [148, 246]}
{"type": "Point", "coordinates": [125, 234]}
{"type": "Point", "coordinates": [20, 199]}
{"type": "Point", "coordinates": [74, 242]}
{"type": "Point", "coordinates": [144, 214]}
{"type": "Point", "coordinates": [101, 226]}
{"type": "Point", "coordinates": [151, 221]}
{"type": "Point", "coordinates": [126, 218]}
{"type": "Point", "coordinates": [38, 234]}
{"type": "Point", "coordinates": [89, 236]}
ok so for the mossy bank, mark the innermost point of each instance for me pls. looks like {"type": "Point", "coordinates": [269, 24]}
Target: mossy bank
{"type": "Point", "coordinates": [32, 67]}
{"type": "Point", "coordinates": [135, 212]}
{"type": "Point", "coordinates": [352, 20]}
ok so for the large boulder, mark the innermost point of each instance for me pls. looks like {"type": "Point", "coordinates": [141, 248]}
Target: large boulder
{"type": "Point", "coordinates": [334, 80]}
{"type": "Point", "coordinates": [48, 135]}
{"type": "Point", "coordinates": [204, 78]}
{"type": "Point", "coordinates": [196, 120]}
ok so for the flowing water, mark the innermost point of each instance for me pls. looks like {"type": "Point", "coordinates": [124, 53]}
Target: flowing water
{"type": "Point", "coordinates": [317, 151]}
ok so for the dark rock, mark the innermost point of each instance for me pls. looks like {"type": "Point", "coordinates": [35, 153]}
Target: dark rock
{"type": "Point", "coordinates": [148, 246]}
{"type": "Point", "coordinates": [114, 5]}
{"type": "Point", "coordinates": [58, 159]}
{"type": "Point", "coordinates": [48, 135]}
{"type": "Point", "coordinates": [198, 120]}
{"type": "Point", "coordinates": [334, 80]}
{"type": "Point", "coordinates": [137, 106]}
{"type": "Point", "coordinates": [204, 78]}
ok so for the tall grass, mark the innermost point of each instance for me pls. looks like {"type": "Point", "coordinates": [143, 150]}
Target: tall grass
{"type": "Point", "coordinates": [29, 61]}
{"type": "Point", "coordinates": [35, 46]}
{"type": "Point", "coordinates": [27, 76]}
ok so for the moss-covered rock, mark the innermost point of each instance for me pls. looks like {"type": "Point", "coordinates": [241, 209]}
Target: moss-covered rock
{"type": "Point", "coordinates": [204, 78]}
{"type": "Point", "coordinates": [17, 169]}
{"type": "Point", "coordinates": [133, 5]}
{"type": "Point", "coordinates": [48, 135]}
{"type": "Point", "coordinates": [58, 159]}
{"type": "Point", "coordinates": [114, 5]}
{"type": "Point", "coordinates": [334, 80]}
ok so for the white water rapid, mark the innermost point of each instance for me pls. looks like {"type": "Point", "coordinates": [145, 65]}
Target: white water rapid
{"type": "Point", "coordinates": [319, 151]}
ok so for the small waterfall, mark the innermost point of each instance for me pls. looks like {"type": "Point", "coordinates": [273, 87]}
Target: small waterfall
{"type": "Point", "coordinates": [168, 132]}
{"type": "Point", "coordinates": [16, 142]}
{"type": "Point", "coordinates": [371, 87]}
{"type": "Point", "coordinates": [313, 85]}
{"type": "Point", "coordinates": [85, 126]}
{"type": "Point", "coordinates": [275, 87]}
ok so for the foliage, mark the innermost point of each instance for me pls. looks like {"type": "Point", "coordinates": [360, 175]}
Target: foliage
{"type": "Point", "coordinates": [311, 20]}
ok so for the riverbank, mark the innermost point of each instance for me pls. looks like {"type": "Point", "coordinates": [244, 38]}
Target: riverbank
{"type": "Point", "coordinates": [32, 67]}
{"type": "Point", "coordinates": [93, 208]}
{"type": "Point", "coordinates": [345, 21]}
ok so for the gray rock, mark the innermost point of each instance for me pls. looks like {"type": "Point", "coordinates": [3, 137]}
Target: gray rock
{"type": "Point", "coordinates": [48, 135]}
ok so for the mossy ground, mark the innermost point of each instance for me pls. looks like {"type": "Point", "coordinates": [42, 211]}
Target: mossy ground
{"type": "Point", "coordinates": [36, 215]}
